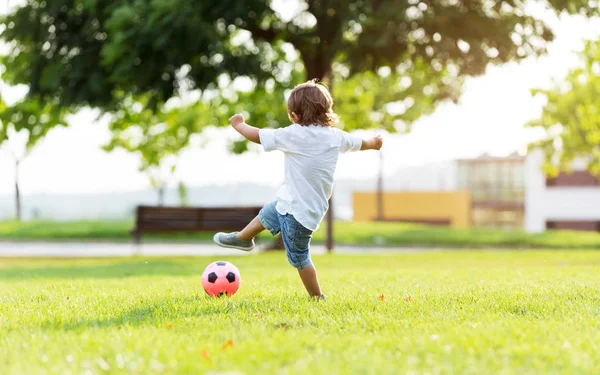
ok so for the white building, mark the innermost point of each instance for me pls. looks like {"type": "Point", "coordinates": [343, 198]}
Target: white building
{"type": "Point", "coordinates": [571, 201]}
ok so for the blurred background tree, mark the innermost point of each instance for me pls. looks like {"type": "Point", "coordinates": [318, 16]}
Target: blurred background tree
{"type": "Point", "coordinates": [571, 116]}
{"type": "Point", "coordinates": [80, 53]}
{"type": "Point", "coordinates": [157, 135]}
{"type": "Point", "coordinates": [87, 53]}
{"type": "Point", "coordinates": [22, 125]}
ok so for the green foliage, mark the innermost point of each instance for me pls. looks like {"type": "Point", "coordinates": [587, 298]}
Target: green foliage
{"type": "Point", "coordinates": [76, 52]}
{"type": "Point", "coordinates": [157, 135]}
{"type": "Point", "coordinates": [571, 116]}
{"type": "Point", "coordinates": [152, 133]}
{"type": "Point", "coordinates": [392, 99]}
{"type": "Point", "coordinates": [424, 313]}
{"type": "Point", "coordinates": [31, 117]}
{"type": "Point", "coordinates": [263, 105]}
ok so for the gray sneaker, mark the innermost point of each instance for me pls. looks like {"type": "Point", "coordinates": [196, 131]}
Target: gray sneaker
{"type": "Point", "coordinates": [229, 240]}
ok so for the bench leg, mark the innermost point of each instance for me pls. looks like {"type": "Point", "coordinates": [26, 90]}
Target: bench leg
{"type": "Point", "coordinates": [277, 244]}
{"type": "Point", "coordinates": [137, 240]}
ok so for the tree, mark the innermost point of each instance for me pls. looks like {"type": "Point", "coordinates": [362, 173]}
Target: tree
{"type": "Point", "coordinates": [82, 52]}
{"type": "Point", "coordinates": [571, 116]}
{"type": "Point", "coordinates": [157, 135]}
{"type": "Point", "coordinates": [24, 124]}
{"type": "Point", "coordinates": [183, 194]}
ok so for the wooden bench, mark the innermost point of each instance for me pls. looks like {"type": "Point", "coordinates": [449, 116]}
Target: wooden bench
{"type": "Point", "coordinates": [164, 219]}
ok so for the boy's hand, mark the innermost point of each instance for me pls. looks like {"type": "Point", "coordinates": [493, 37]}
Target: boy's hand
{"type": "Point", "coordinates": [249, 132]}
{"type": "Point", "coordinates": [377, 142]}
{"type": "Point", "coordinates": [236, 120]}
{"type": "Point", "coordinates": [374, 143]}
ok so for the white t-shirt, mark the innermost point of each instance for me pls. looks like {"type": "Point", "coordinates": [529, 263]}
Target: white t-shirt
{"type": "Point", "coordinates": [311, 155]}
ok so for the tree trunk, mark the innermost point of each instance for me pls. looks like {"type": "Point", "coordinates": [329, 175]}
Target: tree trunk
{"type": "Point", "coordinates": [380, 214]}
{"type": "Point", "coordinates": [330, 240]}
{"type": "Point", "coordinates": [320, 67]}
{"type": "Point", "coordinates": [327, 73]}
{"type": "Point", "coordinates": [277, 244]}
{"type": "Point", "coordinates": [317, 68]}
{"type": "Point", "coordinates": [17, 191]}
{"type": "Point", "coordinates": [161, 195]}
{"type": "Point", "coordinates": [183, 194]}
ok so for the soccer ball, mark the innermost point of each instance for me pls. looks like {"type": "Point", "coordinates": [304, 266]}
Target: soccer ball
{"type": "Point", "coordinates": [221, 278]}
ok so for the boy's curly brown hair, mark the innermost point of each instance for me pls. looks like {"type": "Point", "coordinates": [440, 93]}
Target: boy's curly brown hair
{"type": "Point", "coordinates": [310, 103]}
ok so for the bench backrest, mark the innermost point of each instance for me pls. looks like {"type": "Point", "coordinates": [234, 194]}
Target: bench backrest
{"type": "Point", "coordinates": [165, 219]}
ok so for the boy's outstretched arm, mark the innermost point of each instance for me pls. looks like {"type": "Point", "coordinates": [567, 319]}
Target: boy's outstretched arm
{"type": "Point", "coordinates": [374, 143]}
{"type": "Point", "coordinates": [249, 132]}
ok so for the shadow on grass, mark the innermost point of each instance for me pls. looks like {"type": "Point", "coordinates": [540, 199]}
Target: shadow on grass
{"type": "Point", "coordinates": [157, 314]}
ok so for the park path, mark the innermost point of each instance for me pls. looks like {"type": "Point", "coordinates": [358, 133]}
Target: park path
{"type": "Point", "coordinates": [101, 249]}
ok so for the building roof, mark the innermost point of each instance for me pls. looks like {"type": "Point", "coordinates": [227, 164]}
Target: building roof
{"type": "Point", "coordinates": [488, 158]}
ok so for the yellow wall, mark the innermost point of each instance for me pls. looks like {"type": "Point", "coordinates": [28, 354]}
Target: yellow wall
{"type": "Point", "coordinates": [455, 206]}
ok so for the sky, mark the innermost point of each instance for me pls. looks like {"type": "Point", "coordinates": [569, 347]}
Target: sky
{"type": "Point", "coordinates": [490, 119]}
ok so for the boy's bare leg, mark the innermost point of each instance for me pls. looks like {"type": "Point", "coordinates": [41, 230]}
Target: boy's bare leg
{"type": "Point", "coordinates": [310, 281]}
{"type": "Point", "coordinates": [252, 230]}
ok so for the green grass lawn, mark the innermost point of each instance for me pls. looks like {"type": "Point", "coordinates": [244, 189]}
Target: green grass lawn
{"type": "Point", "coordinates": [117, 231]}
{"type": "Point", "coordinates": [487, 312]}
{"type": "Point", "coordinates": [353, 233]}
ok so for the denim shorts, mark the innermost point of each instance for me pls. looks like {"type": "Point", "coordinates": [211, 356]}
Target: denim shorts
{"type": "Point", "coordinates": [296, 238]}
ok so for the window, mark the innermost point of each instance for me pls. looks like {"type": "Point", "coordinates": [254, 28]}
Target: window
{"type": "Point", "coordinates": [519, 175]}
{"type": "Point", "coordinates": [591, 226]}
{"type": "Point", "coordinates": [492, 217]}
{"type": "Point", "coordinates": [463, 176]}
{"type": "Point", "coordinates": [577, 178]}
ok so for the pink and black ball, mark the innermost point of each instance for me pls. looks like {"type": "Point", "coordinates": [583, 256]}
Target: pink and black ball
{"type": "Point", "coordinates": [221, 278]}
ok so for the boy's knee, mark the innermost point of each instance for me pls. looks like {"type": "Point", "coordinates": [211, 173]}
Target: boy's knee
{"type": "Point", "coordinates": [299, 260]}
{"type": "Point", "coordinates": [269, 219]}
{"type": "Point", "coordinates": [297, 242]}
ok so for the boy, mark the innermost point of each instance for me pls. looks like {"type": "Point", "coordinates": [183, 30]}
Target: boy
{"type": "Point", "coordinates": [311, 146]}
